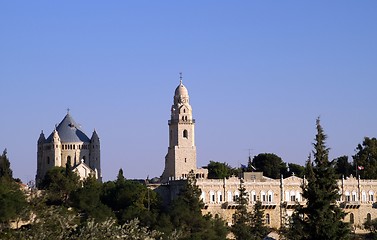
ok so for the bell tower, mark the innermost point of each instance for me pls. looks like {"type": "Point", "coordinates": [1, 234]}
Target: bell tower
{"type": "Point", "coordinates": [181, 156]}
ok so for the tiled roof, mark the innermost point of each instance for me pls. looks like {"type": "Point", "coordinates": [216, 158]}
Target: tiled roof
{"type": "Point", "coordinates": [69, 131]}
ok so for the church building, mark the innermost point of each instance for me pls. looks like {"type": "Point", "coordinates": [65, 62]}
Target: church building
{"type": "Point", "coordinates": [68, 143]}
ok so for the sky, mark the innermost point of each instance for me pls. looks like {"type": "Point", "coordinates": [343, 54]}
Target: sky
{"type": "Point", "coordinates": [259, 74]}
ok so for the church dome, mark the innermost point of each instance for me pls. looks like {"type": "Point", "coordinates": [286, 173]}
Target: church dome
{"type": "Point", "coordinates": [69, 131]}
{"type": "Point", "coordinates": [181, 90]}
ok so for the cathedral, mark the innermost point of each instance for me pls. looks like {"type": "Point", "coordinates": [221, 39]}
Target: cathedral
{"type": "Point", "coordinates": [69, 144]}
{"type": "Point", "coordinates": [278, 196]}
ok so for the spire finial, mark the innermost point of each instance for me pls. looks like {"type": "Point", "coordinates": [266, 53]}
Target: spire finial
{"type": "Point", "coordinates": [180, 77]}
{"type": "Point", "coordinates": [68, 110]}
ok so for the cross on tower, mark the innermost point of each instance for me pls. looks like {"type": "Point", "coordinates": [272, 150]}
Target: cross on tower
{"type": "Point", "coordinates": [180, 77]}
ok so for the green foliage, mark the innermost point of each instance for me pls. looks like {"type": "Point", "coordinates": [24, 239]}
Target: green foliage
{"type": "Point", "coordinates": [241, 227]}
{"type": "Point", "coordinates": [129, 199]}
{"type": "Point", "coordinates": [270, 164]}
{"type": "Point", "coordinates": [55, 225]}
{"type": "Point", "coordinates": [296, 169]}
{"type": "Point", "coordinates": [13, 205]}
{"type": "Point", "coordinates": [5, 171]}
{"type": "Point", "coordinates": [59, 183]}
{"type": "Point", "coordinates": [217, 170]}
{"type": "Point", "coordinates": [186, 215]}
{"type": "Point", "coordinates": [343, 167]}
{"type": "Point", "coordinates": [87, 200]}
{"type": "Point", "coordinates": [366, 156]}
{"type": "Point", "coordinates": [248, 225]}
{"type": "Point", "coordinates": [322, 217]}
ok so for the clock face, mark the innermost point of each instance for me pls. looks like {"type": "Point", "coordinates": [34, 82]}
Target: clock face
{"type": "Point", "coordinates": [183, 100]}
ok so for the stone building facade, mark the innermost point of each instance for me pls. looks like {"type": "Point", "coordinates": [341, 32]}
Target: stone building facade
{"type": "Point", "coordinates": [278, 196]}
{"type": "Point", "coordinates": [68, 143]}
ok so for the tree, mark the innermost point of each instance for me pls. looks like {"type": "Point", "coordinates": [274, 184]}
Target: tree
{"type": "Point", "coordinates": [371, 226]}
{"type": "Point", "coordinates": [59, 183]}
{"type": "Point", "coordinates": [296, 169]}
{"type": "Point", "coordinates": [270, 164]}
{"type": "Point", "coordinates": [248, 225]}
{"type": "Point", "coordinates": [130, 199]}
{"type": "Point", "coordinates": [217, 170]}
{"type": "Point", "coordinates": [321, 217]}
{"type": "Point", "coordinates": [258, 227]}
{"type": "Point", "coordinates": [5, 171]}
{"type": "Point", "coordinates": [366, 157]}
{"type": "Point", "coordinates": [241, 227]}
{"type": "Point", "coordinates": [186, 215]}
{"type": "Point", "coordinates": [87, 200]}
{"type": "Point", "coordinates": [343, 167]}
{"type": "Point", "coordinates": [13, 203]}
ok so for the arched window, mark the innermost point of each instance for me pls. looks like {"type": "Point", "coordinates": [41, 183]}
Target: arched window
{"type": "Point", "coordinates": [184, 110]}
{"type": "Point", "coordinates": [270, 196]}
{"type": "Point", "coordinates": [268, 218]}
{"type": "Point", "coordinates": [363, 196]}
{"type": "Point", "coordinates": [253, 197]}
{"type": "Point", "coordinates": [354, 196]}
{"type": "Point", "coordinates": [347, 196]}
{"type": "Point", "coordinates": [263, 196]}
{"type": "Point", "coordinates": [293, 196]}
{"type": "Point", "coordinates": [48, 160]}
{"type": "Point", "coordinates": [84, 158]}
{"type": "Point", "coordinates": [185, 133]}
{"type": "Point", "coordinates": [230, 198]}
{"type": "Point", "coordinates": [219, 197]}
{"type": "Point", "coordinates": [212, 197]}
{"type": "Point", "coordinates": [287, 196]}
{"type": "Point", "coordinates": [371, 196]}
{"type": "Point", "coordinates": [352, 218]}
{"type": "Point", "coordinates": [369, 217]}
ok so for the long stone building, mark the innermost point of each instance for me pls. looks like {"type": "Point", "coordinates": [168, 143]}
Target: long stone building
{"type": "Point", "coordinates": [68, 143]}
{"type": "Point", "coordinates": [278, 196]}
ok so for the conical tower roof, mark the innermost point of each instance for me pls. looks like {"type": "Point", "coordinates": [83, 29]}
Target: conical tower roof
{"type": "Point", "coordinates": [69, 131]}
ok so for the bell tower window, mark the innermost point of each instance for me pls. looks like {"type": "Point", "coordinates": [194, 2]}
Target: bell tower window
{"type": "Point", "coordinates": [185, 133]}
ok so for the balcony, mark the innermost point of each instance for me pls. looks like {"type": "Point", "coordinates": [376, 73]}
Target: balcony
{"type": "Point", "coordinates": [175, 121]}
{"type": "Point", "coordinates": [350, 204]}
{"type": "Point", "coordinates": [268, 205]}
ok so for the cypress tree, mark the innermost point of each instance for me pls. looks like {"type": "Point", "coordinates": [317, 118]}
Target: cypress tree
{"type": "Point", "coordinates": [241, 227]}
{"type": "Point", "coordinates": [321, 217]}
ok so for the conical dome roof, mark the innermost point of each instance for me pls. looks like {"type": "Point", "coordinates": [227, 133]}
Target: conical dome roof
{"type": "Point", "coordinates": [69, 131]}
{"type": "Point", "coordinates": [181, 90]}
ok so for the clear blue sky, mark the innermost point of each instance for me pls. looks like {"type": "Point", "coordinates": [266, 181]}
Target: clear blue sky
{"type": "Point", "coordinates": [259, 73]}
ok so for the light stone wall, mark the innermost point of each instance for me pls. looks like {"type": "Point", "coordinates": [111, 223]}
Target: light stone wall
{"type": "Point", "coordinates": [56, 153]}
{"type": "Point", "coordinates": [279, 196]}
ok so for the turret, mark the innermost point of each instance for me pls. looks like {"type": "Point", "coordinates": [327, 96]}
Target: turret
{"type": "Point", "coordinates": [41, 141]}
{"type": "Point", "coordinates": [56, 146]}
{"type": "Point", "coordinates": [95, 154]}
